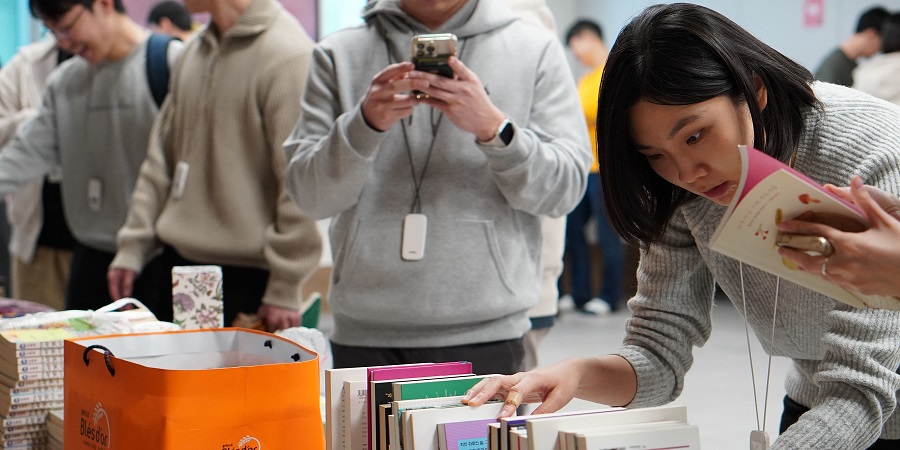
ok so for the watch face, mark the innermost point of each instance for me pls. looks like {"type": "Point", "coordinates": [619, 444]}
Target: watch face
{"type": "Point", "coordinates": [506, 134]}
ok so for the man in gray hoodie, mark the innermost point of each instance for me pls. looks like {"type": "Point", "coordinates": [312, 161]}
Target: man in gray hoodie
{"type": "Point", "coordinates": [436, 198]}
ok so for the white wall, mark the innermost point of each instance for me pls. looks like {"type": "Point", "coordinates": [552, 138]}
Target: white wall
{"type": "Point", "coordinates": [778, 23]}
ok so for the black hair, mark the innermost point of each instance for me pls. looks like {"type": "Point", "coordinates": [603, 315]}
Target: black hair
{"type": "Point", "coordinates": [584, 25]}
{"type": "Point", "coordinates": [681, 54]}
{"type": "Point", "coordinates": [172, 10]}
{"type": "Point", "coordinates": [890, 34]}
{"type": "Point", "coordinates": [53, 10]}
{"type": "Point", "coordinates": [872, 18]}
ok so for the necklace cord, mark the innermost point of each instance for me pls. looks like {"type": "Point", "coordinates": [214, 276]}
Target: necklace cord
{"type": "Point", "coordinates": [759, 426]}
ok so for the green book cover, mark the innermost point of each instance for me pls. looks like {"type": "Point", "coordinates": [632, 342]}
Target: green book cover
{"type": "Point", "coordinates": [440, 387]}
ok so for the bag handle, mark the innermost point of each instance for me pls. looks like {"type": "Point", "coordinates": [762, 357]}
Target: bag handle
{"type": "Point", "coordinates": [106, 354]}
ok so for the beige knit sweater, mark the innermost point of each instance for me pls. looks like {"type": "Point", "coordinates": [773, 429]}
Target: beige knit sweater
{"type": "Point", "coordinates": [233, 100]}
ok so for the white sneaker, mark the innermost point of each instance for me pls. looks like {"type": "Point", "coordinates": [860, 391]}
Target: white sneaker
{"type": "Point", "coordinates": [566, 303]}
{"type": "Point", "coordinates": [595, 307]}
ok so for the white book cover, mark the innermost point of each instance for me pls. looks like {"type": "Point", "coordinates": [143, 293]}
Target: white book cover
{"type": "Point", "coordinates": [670, 437]}
{"type": "Point", "coordinates": [355, 415]}
{"type": "Point", "coordinates": [506, 423]}
{"type": "Point", "coordinates": [334, 412]}
{"type": "Point", "coordinates": [768, 193]}
{"type": "Point", "coordinates": [543, 432]}
{"type": "Point", "coordinates": [568, 439]}
{"type": "Point", "coordinates": [423, 422]}
{"type": "Point", "coordinates": [400, 407]}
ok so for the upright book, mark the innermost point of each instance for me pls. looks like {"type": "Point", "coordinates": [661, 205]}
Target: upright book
{"type": "Point", "coordinates": [466, 435]}
{"type": "Point", "coordinates": [768, 193]}
{"type": "Point", "coordinates": [377, 376]}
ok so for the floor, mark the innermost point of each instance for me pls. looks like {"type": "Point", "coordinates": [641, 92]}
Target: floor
{"type": "Point", "coordinates": [718, 390]}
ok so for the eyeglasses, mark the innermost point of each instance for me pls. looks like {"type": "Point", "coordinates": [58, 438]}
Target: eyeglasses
{"type": "Point", "coordinates": [63, 31]}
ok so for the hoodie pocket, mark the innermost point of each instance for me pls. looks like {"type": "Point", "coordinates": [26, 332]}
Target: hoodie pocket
{"type": "Point", "coordinates": [461, 257]}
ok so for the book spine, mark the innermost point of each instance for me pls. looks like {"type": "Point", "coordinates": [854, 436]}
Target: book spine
{"type": "Point", "coordinates": [39, 359]}
{"type": "Point", "coordinates": [22, 442]}
{"type": "Point", "coordinates": [24, 420]}
{"type": "Point", "coordinates": [47, 352]}
{"type": "Point", "coordinates": [35, 406]}
{"type": "Point", "coordinates": [39, 375]}
{"type": "Point", "coordinates": [23, 435]}
{"type": "Point", "coordinates": [37, 398]}
{"type": "Point", "coordinates": [12, 392]}
{"type": "Point", "coordinates": [21, 429]}
{"type": "Point", "coordinates": [33, 368]}
{"type": "Point", "coordinates": [53, 383]}
{"type": "Point", "coordinates": [37, 345]}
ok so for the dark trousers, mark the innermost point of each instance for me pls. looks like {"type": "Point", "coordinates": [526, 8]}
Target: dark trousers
{"type": "Point", "coordinates": [793, 411]}
{"type": "Point", "coordinates": [242, 287]}
{"type": "Point", "coordinates": [578, 256]}
{"type": "Point", "coordinates": [499, 357]}
{"type": "Point", "coordinates": [88, 288]}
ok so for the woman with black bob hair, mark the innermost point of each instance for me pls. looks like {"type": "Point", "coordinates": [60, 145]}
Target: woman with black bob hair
{"type": "Point", "coordinates": [682, 88]}
{"type": "Point", "coordinates": [683, 54]}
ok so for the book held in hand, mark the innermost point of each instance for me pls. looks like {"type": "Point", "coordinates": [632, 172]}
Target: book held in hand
{"type": "Point", "coordinates": [770, 192]}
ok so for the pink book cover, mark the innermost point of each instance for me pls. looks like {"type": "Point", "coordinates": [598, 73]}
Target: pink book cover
{"type": "Point", "coordinates": [384, 373]}
{"type": "Point", "coordinates": [469, 435]}
{"type": "Point", "coordinates": [400, 372]}
{"type": "Point", "coordinates": [771, 192]}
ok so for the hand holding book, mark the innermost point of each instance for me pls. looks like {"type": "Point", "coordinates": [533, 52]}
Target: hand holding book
{"type": "Point", "coordinates": [866, 261]}
{"type": "Point", "coordinates": [770, 193]}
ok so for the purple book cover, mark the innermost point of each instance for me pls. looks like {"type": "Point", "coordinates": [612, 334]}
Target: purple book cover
{"type": "Point", "coordinates": [469, 435]}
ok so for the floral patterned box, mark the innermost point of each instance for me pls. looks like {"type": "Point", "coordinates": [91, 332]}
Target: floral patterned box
{"type": "Point", "coordinates": [197, 297]}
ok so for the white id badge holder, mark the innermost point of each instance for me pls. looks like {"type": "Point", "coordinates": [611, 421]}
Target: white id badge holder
{"type": "Point", "coordinates": [759, 440]}
{"type": "Point", "coordinates": [95, 194]}
{"type": "Point", "coordinates": [415, 227]}
{"type": "Point", "coordinates": [179, 179]}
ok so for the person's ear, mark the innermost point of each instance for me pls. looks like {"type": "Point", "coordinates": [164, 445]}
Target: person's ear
{"type": "Point", "coordinates": [762, 94]}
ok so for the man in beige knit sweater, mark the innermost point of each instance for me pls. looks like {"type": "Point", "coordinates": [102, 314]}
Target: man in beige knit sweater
{"type": "Point", "coordinates": [211, 190]}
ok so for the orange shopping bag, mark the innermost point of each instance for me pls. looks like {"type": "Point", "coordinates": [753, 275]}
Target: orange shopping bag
{"type": "Point", "coordinates": [216, 389]}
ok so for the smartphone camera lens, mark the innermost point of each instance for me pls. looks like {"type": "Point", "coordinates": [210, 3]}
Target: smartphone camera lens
{"type": "Point", "coordinates": [430, 49]}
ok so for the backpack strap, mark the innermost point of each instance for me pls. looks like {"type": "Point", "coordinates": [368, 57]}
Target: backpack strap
{"type": "Point", "coordinates": [158, 66]}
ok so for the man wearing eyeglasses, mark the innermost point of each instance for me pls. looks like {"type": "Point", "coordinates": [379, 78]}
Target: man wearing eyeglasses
{"type": "Point", "coordinates": [94, 122]}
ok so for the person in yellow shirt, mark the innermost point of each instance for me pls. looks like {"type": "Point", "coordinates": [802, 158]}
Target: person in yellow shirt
{"type": "Point", "coordinates": [585, 40]}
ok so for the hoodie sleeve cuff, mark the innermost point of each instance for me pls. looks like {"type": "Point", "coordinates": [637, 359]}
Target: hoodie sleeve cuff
{"type": "Point", "coordinates": [362, 138]}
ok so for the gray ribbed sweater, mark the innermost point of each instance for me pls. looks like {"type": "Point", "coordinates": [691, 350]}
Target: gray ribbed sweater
{"type": "Point", "coordinates": [844, 359]}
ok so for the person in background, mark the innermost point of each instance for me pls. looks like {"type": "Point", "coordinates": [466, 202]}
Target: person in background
{"type": "Point", "coordinates": [585, 40]}
{"type": "Point", "coordinates": [668, 134]}
{"type": "Point", "coordinates": [868, 261]}
{"type": "Point", "coordinates": [94, 123]}
{"type": "Point", "coordinates": [212, 188]}
{"type": "Point", "coordinates": [497, 152]}
{"type": "Point", "coordinates": [880, 76]}
{"type": "Point", "coordinates": [171, 18]}
{"type": "Point", "coordinates": [40, 242]}
{"type": "Point", "coordinates": [838, 66]}
{"type": "Point", "coordinates": [553, 229]}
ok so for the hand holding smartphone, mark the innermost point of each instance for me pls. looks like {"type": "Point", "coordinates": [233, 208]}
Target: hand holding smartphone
{"type": "Point", "coordinates": [430, 53]}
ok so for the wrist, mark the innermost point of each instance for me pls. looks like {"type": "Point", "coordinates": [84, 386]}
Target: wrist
{"type": "Point", "coordinates": [501, 136]}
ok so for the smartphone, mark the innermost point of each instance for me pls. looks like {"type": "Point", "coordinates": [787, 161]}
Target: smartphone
{"type": "Point", "coordinates": [805, 243]}
{"type": "Point", "coordinates": [430, 53]}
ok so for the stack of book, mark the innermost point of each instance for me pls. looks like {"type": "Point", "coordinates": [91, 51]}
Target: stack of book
{"type": "Point", "coordinates": [418, 407]}
{"type": "Point", "coordinates": [664, 427]}
{"type": "Point", "coordinates": [31, 384]}
{"type": "Point", "coordinates": [32, 361]}
{"type": "Point", "coordinates": [55, 430]}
